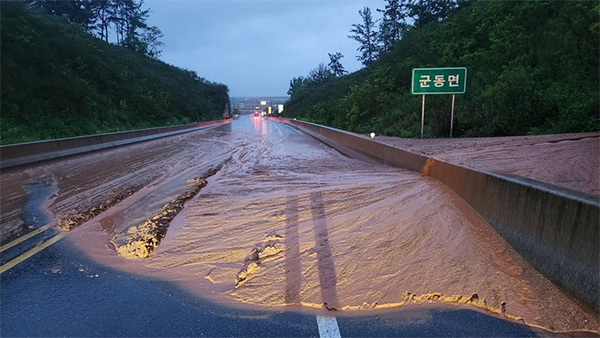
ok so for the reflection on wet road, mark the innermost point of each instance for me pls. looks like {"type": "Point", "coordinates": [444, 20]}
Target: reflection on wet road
{"type": "Point", "coordinates": [288, 223]}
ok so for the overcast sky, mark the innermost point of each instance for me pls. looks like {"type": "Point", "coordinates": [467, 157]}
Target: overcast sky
{"type": "Point", "coordinates": [256, 46]}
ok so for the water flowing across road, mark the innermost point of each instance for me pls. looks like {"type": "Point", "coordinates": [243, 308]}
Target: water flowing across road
{"type": "Point", "coordinates": [284, 221]}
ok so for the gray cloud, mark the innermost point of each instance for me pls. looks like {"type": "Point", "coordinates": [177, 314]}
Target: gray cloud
{"type": "Point", "coordinates": [255, 47]}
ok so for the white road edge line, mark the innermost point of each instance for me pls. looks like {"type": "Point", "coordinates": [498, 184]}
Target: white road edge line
{"type": "Point", "coordinates": [328, 327]}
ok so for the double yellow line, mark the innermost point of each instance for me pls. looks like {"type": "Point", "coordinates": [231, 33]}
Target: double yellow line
{"type": "Point", "coordinates": [12, 263]}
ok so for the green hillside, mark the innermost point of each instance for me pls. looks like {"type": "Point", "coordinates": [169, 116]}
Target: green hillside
{"type": "Point", "coordinates": [58, 81]}
{"type": "Point", "coordinates": [532, 68]}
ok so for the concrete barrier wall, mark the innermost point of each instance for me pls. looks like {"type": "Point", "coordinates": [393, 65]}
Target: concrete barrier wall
{"type": "Point", "coordinates": [25, 153]}
{"type": "Point", "coordinates": [555, 229]}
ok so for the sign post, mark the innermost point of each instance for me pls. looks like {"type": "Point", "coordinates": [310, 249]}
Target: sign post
{"type": "Point", "coordinates": [422, 115]}
{"type": "Point", "coordinates": [428, 81]}
{"type": "Point", "coordinates": [452, 115]}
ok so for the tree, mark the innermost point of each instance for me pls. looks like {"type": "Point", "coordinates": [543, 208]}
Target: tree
{"type": "Point", "coordinates": [59, 81]}
{"type": "Point", "coordinates": [316, 77]}
{"type": "Point", "coordinates": [150, 39]}
{"type": "Point", "coordinates": [424, 12]}
{"type": "Point", "coordinates": [77, 11]}
{"type": "Point", "coordinates": [296, 84]}
{"type": "Point", "coordinates": [320, 75]}
{"type": "Point", "coordinates": [335, 65]}
{"type": "Point", "coordinates": [392, 23]}
{"type": "Point", "coordinates": [140, 37]}
{"type": "Point", "coordinates": [115, 21]}
{"type": "Point", "coordinates": [366, 35]}
{"type": "Point", "coordinates": [103, 12]}
{"type": "Point", "coordinates": [124, 13]}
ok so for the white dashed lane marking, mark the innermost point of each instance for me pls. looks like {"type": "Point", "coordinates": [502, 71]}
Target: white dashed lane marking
{"type": "Point", "coordinates": [328, 327]}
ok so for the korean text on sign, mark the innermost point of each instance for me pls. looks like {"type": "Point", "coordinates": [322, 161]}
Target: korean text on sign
{"type": "Point", "coordinates": [439, 80]}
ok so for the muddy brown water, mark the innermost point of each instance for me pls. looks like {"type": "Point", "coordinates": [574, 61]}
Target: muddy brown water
{"type": "Point", "coordinates": [289, 223]}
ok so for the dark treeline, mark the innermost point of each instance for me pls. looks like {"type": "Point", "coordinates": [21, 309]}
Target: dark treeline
{"type": "Point", "coordinates": [532, 68]}
{"type": "Point", "coordinates": [120, 21]}
{"type": "Point", "coordinates": [58, 81]}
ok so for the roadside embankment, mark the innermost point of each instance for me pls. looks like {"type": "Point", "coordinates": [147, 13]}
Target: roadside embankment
{"type": "Point", "coordinates": [26, 153]}
{"type": "Point", "coordinates": [555, 229]}
{"type": "Point", "coordinates": [567, 160]}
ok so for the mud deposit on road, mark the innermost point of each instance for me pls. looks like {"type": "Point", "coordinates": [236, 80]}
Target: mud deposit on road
{"type": "Point", "coordinates": [567, 160]}
{"type": "Point", "coordinates": [290, 222]}
{"type": "Point", "coordinates": [86, 185]}
{"type": "Point", "coordinates": [140, 240]}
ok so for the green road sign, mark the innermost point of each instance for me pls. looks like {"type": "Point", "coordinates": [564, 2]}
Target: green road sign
{"type": "Point", "coordinates": [427, 81]}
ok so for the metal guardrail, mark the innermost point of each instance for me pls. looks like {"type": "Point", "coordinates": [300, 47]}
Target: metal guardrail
{"type": "Point", "coordinates": [555, 229]}
{"type": "Point", "coordinates": [15, 155]}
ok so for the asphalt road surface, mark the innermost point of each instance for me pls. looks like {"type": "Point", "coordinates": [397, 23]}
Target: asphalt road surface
{"type": "Point", "coordinates": [59, 292]}
{"type": "Point", "coordinates": [51, 285]}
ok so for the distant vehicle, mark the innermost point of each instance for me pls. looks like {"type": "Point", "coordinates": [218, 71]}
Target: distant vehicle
{"type": "Point", "coordinates": [256, 115]}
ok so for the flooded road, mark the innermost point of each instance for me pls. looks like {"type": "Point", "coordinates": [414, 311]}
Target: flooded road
{"type": "Point", "coordinates": [276, 219]}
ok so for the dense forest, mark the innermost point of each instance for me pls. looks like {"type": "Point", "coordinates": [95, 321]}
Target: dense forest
{"type": "Point", "coordinates": [58, 80]}
{"type": "Point", "coordinates": [532, 68]}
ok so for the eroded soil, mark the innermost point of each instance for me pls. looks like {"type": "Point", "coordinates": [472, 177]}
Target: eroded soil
{"type": "Point", "coordinates": [288, 222]}
{"type": "Point", "coordinates": [567, 160]}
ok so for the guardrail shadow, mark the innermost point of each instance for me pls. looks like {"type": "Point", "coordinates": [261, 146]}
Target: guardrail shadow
{"type": "Point", "coordinates": [327, 275]}
{"type": "Point", "coordinates": [325, 264]}
{"type": "Point", "coordinates": [293, 272]}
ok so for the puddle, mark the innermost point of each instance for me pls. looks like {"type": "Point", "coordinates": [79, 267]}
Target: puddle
{"type": "Point", "coordinates": [34, 215]}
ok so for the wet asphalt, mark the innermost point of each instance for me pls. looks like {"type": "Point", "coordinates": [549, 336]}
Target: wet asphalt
{"type": "Point", "coordinates": [60, 292]}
